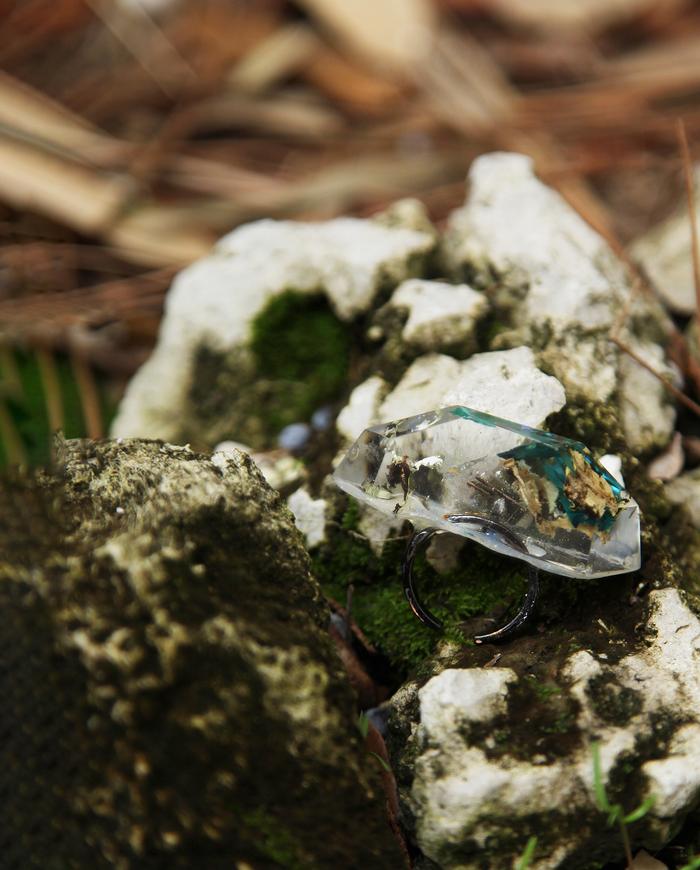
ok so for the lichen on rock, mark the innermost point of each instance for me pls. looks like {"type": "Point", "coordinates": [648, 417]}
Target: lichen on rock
{"type": "Point", "coordinates": [171, 696]}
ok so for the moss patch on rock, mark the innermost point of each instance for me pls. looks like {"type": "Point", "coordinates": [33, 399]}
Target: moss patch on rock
{"type": "Point", "coordinates": [297, 360]}
{"type": "Point", "coordinates": [484, 584]}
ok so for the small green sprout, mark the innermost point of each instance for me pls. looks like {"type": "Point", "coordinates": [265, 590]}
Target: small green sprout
{"type": "Point", "coordinates": [363, 727]}
{"type": "Point", "coordinates": [363, 724]}
{"type": "Point", "coordinates": [616, 812]}
{"type": "Point", "coordinates": [526, 858]}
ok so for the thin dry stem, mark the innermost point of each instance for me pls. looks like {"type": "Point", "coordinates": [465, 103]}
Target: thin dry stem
{"type": "Point", "coordinates": [692, 210]}
{"type": "Point", "coordinates": [672, 388]}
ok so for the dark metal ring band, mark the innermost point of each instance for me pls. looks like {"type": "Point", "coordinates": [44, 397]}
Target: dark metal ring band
{"type": "Point", "coordinates": [422, 537]}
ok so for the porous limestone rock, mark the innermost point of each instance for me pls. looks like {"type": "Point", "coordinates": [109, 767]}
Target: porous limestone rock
{"type": "Point", "coordinates": [361, 409]}
{"type": "Point", "coordinates": [504, 383]}
{"type": "Point", "coordinates": [440, 315]}
{"type": "Point", "coordinates": [488, 757]}
{"type": "Point", "coordinates": [213, 303]}
{"type": "Point", "coordinates": [170, 694]}
{"type": "Point", "coordinates": [558, 286]}
{"type": "Point", "coordinates": [646, 412]}
{"type": "Point", "coordinates": [309, 516]}
{"type": "Point", "coordinates": [665, 252]}
{"type": "Point", "coordinates": [685, 490]}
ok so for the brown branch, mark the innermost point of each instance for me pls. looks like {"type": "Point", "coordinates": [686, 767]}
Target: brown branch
{"type": "Point", "coordinates": [692, 211]}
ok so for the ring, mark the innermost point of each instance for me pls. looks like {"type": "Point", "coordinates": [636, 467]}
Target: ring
{"type": "Point", "coordinates": [520, 491]}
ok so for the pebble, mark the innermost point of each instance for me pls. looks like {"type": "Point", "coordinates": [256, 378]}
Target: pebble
{"type": "Point", "coordinates": [322, 419]}
{"type": "Point", "coordinates": [294, 437]}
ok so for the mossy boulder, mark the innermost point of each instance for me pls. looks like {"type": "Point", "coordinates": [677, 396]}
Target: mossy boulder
{"type": "Point", "coordinates": [171, 697]}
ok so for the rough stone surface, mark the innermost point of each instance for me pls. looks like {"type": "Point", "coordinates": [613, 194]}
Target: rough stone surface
{"type": "Point", "coordinates": [485, 775]}
{"type": "Point", "coordinates": [666, 255]}
{"type": "Point", "coordinates": [213, 303]}
{"type": "Point", "coordinates": [440, 315]}
{"type": "Point", "coordinates": [170, 693]}
{"type": "Point", "coordinates": [309, 516]}
{"type": "Point", "coordinates": [646, 410]}
{"type": "Point", "coordinates": [361, 410]}
{"type": "Point", "coordinates": [685, 490]}
{"type": "Point", "coordinates": [556, 283]}
{"type": "Point", "coordinates": [505, 383]}
{"type": "Point", "coordinates": [280, 469]}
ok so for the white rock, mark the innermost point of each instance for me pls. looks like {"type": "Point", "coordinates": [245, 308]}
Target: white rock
{"type": "Point", "coordinates": [505, 383]}
{"type": "Point", "coordinates": [647, 413]}
{"type": "Point", "coordinates": [685, 490]}
{"type": "Point", "coordinates": [530, 236]}
{"type": "Point", "coordinates": [309, 516]}
{"type": "Point", "coordinates": [666, 255]}
{"type": "Point", "coordinates": [461, 794]}
{"type": "Point", "coordinates": [440, 314]}
{"type": "Point", "coordinates": [348, 258]}
{"type": "Point", "coordinates": [378, 528]}
{"type": "Point", "coordinates": [587, 365]}
{"type": "Point", "coordinates": [423, 387]}
{"type": "Point", "coordinates": [279, 468]}
{"type": "Point", "coordinates": [213, 302]}
{"type": "Point", "coordinates": [561, 286]}
{"type": "Point", "coordinates": [613, 465]}
{"type": "Point", "coordinates": [361, 410]}
{"type": "Point", "coordinates": [463, 695]}
{"type": "Point", "coordinates": [229, 446]}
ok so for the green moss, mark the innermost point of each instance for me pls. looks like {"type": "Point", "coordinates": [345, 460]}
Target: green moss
{"type": "Point", "coordinates": [613, 703]}
{"type": "Point", "coordinates": [542, 690]}
{"type": "Point", "coordinates": [274, 841]}
{"type": "Point", "coordinates": [483, 583]}
{"type": "Point", "coordinates": [301, 345]}
{"type": "Point", "coordinates": [297, 361]}
{"type": "Point", "coordinates": [594, 423]}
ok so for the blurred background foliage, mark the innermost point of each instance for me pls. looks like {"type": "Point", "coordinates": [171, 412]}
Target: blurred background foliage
{"type": "Point", "coordinates": [133, 133]}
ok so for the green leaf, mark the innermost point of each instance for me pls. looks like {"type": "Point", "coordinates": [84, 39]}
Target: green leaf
{"type": "Point", "coordinates": [363, 724]}
{"type": "Point", "coordinates": [382, 762]}
{"type": "Point", "coordinates": [693, 864]}
{"type": "Point", "coordinates": [526, 857]}
{"type": "Point", "coordinates": [641, 810]}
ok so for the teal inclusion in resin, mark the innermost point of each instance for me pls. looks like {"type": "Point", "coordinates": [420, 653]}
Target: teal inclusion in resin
{"type": "Point", "coordinates": [573, 517]}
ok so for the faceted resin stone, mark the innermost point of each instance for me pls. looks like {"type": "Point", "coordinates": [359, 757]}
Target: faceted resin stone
{"type": "Point", "coordinates": [570, 514]}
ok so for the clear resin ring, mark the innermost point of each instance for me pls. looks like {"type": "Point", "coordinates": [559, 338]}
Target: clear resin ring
{"type": "Point", "coordinates": [520, 491]}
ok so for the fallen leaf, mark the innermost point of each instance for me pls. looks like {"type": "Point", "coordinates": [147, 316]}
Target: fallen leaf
{"type": "Point", "coordinates": [644, 861]}
{"type": "Point", "coordinates": [393, 34]}
{"type": "Point", "coordinates": [668, 464]}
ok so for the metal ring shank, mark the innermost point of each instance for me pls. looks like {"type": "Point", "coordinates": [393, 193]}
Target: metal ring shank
{"type": "Point", "coordinates": [421, 538]}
